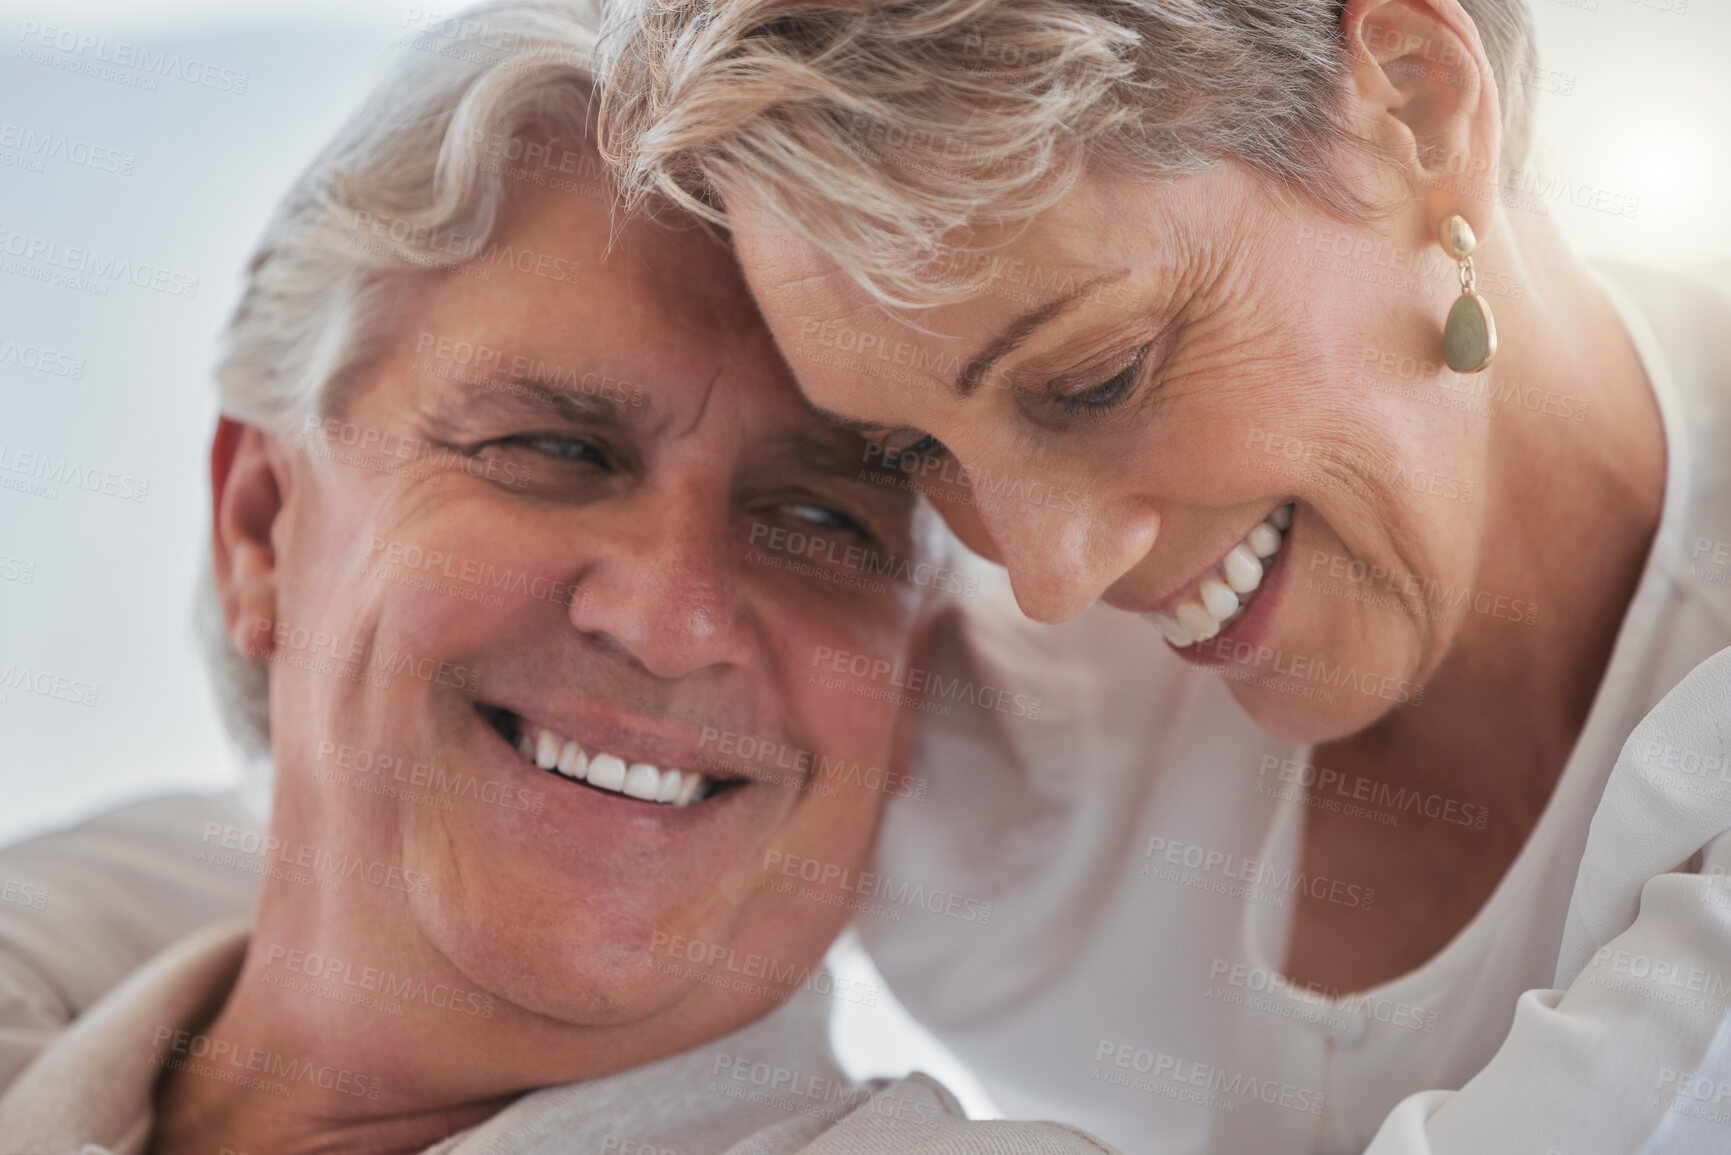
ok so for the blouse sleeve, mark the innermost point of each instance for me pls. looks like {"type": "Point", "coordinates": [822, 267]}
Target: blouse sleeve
{"type": "Point", "coordinates": [1631, 1054]}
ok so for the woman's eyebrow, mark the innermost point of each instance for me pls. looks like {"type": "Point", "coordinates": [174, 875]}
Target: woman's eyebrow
{"type": "Point", "coordinates": [848, 423]}
{"type": "Point", "coordinates": [1020, 329]}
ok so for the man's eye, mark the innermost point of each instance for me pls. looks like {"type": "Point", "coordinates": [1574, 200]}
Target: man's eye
{"type": "Point", "coordinates": [1108, 394]}
{"type": "Point", "coordinates": [824, 518]}
{"type": "Point", "coordinates": [565, 449]}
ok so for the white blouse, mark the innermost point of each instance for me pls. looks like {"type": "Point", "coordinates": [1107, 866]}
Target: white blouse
{"type": "Point", "coordinates": [1138, 844]}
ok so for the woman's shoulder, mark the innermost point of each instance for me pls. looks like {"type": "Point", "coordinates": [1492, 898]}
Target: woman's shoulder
{"type": "Point", "coordinates": [1687, 310]}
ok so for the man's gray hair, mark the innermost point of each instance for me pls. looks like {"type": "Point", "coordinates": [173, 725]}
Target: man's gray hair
{"type": "Point", "coordinates": [413, 183]}
{"type": "Point", "coordinates": [883, 130]}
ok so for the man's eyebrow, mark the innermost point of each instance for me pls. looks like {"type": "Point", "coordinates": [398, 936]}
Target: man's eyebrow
{"type": "Point", "coordinates": [829, 459]}
{"type": "Point", "coordinates": [1018, 330]}
{"type": "Point", "coordinates": [557, 399]}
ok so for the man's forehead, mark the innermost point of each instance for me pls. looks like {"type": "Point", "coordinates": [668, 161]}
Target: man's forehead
{"type": "Point", "coordinates": [514, 374]}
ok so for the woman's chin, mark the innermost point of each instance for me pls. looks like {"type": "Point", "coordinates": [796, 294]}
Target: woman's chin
{"type": "Point", "coordinates": [1321, 693]}
{"type": "Point", "coordinates": [1286, 716]}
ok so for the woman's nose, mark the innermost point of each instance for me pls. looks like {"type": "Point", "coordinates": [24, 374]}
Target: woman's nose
{"type": "Point", "coordinates": [1064, 548]}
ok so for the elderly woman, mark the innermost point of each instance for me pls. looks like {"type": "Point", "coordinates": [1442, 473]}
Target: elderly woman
{"type": "Point", "coordinates": [1217, 312]}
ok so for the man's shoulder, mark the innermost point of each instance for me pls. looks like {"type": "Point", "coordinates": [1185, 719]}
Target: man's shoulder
{"type": "Point", "coordinates": [917, 1114]}
{"type": "Point", "coordinates": [88, 903]}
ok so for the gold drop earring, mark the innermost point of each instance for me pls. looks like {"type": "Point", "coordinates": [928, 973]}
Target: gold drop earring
{"type": "Point", "coordinates": [1470, 334]}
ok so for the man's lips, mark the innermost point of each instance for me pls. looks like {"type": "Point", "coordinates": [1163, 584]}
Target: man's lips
{"type": "Point", "coordinates": [1201, 607]}
{"type": "Point", "coordinates": [611, 758]}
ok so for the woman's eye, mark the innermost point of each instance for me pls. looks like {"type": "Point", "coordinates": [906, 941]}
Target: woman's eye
{"type": "Point", "coordinates": [1108, 393]}
{"type": "Point", "coordinates": [911, 442]}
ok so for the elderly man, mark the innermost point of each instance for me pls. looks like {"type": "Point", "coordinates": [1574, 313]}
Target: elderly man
{"type": "Point", "coordinates": [491, 494]}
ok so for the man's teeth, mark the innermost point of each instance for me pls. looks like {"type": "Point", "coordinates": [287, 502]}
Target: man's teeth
{"type": "Point", "coordinates": [606, 771]}
{"type": "Point", "coordinates": [1223, 594]}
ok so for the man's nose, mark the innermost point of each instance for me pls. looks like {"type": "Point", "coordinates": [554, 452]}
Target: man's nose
{"type": "Point", "coordinates": [662, 587]}
{"type": "Point", "coordinates": [1064, 545]}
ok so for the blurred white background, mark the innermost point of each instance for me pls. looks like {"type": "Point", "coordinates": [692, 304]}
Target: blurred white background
{"type": "Point", "coordinates": [1635, 104]}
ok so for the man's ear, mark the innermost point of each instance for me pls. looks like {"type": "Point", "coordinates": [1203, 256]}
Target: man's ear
{"type": "Point", "coordinates": [248, 487]}
{"type": "Point", "coordinates": [1428, 97]}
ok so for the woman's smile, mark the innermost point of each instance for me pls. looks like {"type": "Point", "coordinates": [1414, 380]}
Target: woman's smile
{"type": "Point", "coordinates": [1221, 596]}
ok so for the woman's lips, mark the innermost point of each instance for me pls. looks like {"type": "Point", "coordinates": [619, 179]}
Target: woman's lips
{"type": "Point", "coordinates": [1221, 596]}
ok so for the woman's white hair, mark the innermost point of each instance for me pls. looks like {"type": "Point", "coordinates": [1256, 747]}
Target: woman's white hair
{"type": "Point", "coordinates": [886, 132]}
{"type": "Point", "coordinates": [411, 184]}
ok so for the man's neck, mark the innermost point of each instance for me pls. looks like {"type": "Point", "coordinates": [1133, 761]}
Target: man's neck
{"type": "Point", "coordinates": [304, 1017]}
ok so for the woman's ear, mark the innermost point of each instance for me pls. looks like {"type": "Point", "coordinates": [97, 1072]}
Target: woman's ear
{"type": "Point", "coordinates": [1426, 94]}
{"type": "Point", "coordinates": [248, 485]}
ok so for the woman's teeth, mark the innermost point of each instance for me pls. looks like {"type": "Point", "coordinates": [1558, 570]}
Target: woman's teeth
{"type": "Point", "coordinates": [605, 771]}
{"type": "Point", "coordinates": [1222, 595]}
